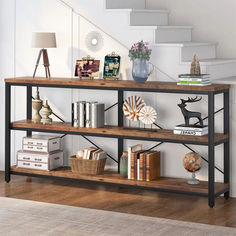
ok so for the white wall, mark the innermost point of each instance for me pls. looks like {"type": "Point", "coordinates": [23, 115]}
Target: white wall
{"type": "Point", "coordinates": [213, 20]}
{"type": "Point", "coordinates": [17, 59]}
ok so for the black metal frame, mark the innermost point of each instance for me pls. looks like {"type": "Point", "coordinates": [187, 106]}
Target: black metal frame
{"type": "Point", "coordinates": [211, 142]}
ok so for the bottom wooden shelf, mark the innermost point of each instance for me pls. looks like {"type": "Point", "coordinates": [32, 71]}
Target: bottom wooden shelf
{"type": "Point", "coordinates": [164, 184]}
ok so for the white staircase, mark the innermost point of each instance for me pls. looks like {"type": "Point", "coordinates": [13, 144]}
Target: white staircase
{"type": "Point", "coordinates": [173, 47]}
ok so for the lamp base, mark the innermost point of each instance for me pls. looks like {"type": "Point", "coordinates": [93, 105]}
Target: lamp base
{"type": "Point", "coordinates": [45, 62]}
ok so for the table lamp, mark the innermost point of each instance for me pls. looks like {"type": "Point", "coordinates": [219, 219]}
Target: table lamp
{"type": "Point", "coordinates": [43, 40]}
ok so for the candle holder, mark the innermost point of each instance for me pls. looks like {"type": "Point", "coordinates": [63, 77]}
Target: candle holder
{"type": "Point", "coordinates": [37, 106]}
{"type": "Point", "coordinates": [46, 112]}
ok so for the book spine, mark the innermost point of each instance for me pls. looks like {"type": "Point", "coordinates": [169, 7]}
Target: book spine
{"type": "Point", "coordinates": [129, 162]}
{"type": "Point", "coordinates": [141, 167]}
{"type": "Point", "coordinates": [135, 167]}
{"type": "Point", "coordinates": [76, 118]}
{"type": "Point", "coordinates": [138, 166]}
{"type": "Point", "coordinates": [72, 114]}
{"type": "Point", "coordinates": [144, 167]}
{"type": "Point", "coordinates": [147, 168]}
{"type": "Point", "coordinates": [190, 132]}
{"type": "Point", "coordinates": [100, 115]}
{"type": "Point", "coordinates": [88, 115]}
{"type": "Point", "coordinates": [94, 115]}
{"type": "Point", "coordinates": [191, 129]}
{"type": "Point", "coordinates": [132, 167]}
{"type": "Point", "coordinates": [81, 114]}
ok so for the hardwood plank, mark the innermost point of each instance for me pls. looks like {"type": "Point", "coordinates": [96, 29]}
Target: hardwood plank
{"type": "Point", "coordinates": [150, 85]}
{"type": "Point", "coordinates": [176, 184]}
{"type": "Point", "coordinates": [118, 131]}
{"type": "Point", "coordinates": [119, 199]}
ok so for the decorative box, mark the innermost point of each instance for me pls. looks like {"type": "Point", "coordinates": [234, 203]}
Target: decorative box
{"type": "Point", "coordinates": [41, 143]}
{"type": "Point", "coordinates": [39, 161]}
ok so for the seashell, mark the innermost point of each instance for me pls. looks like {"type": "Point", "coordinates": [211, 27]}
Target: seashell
{"type": "Point", "coordinates": [147, 115]}
{"type": "Point", "coordinates": [132, 107]}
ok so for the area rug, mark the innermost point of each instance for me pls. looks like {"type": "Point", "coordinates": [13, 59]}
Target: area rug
{"type": "Point", "coordinates": [29, 218]}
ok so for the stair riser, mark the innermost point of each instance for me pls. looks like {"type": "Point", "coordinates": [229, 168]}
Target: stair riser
{"type": "Point", "coordinates": [173, 35]}
{"type": "Point", "coordinates": [148, 18]}
{"type": "Point", "coordinates": [122, 4]}
{"type": "Point", "coordinates": [203, 52]}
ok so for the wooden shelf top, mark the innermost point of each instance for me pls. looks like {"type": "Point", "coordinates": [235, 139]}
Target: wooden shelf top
{"type": "Point", "coordinates": [115, 85]}
{"type": "Point", "coordinates": [174, 184]}
{"type": "Point", "coordinates": [113, 131]}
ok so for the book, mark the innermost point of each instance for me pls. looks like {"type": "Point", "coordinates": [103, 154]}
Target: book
{"type": "Point", "coordinates": [153, 166]}
{"type": "Point", "coordinates": [194, 76]}
{"type": "Point", "coordinates": [130, 150]}
{"type": "Point", "coordinates": [194, 79]}
{"type": "Point", "coordinates": [192, 128]}
{"type": "Point", "coordinates": [88, 115]}
{"type": "Point", "coordinates": [76, 115]}
{"type": "Point", "coordinates": [190, 132]}
{"type": "Point", "coordinates": [97, 115]}
{"type": "Point", "coordinates": [138, 165]}
{"type": "Point", "coordinates": [82, 113]}
{"type": "Point", "coordinates": [72, 114]}
{"type": "Point", "coordinates": [134, 161]}
{"type": "Point", "coordinates": [142, 166]}
{"type": "Point", "coordinates": [193, 84]}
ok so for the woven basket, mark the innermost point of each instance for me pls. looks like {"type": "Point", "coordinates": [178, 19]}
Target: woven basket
{"type": "Point", "coordinates": [83, 166]}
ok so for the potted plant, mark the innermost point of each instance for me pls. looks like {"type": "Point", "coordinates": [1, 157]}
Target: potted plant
{"type": "Point", "coordinates": [140, 55]}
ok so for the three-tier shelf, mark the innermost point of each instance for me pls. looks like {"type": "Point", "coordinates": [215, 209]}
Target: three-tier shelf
{"type": "Point", "coordinates": [209, 188]}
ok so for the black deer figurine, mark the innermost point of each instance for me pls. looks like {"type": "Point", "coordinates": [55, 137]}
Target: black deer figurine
{"type": "Point", "coordinates": [190, 114]}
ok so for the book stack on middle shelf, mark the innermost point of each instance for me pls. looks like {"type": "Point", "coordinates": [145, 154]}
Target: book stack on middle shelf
{"type": "Point", "coordinates": [191, 130]}
{"type": "Point", "coordinates": [195, 80]}
{"type": "Point", "coordinates": [88, 114]}
{"type": "Point", "coordinates": [143, 165]}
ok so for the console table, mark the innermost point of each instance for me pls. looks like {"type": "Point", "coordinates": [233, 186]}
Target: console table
{"type": "Point", "coordinates": [209, 188]}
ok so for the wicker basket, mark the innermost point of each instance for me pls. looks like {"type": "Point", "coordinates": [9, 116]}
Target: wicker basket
{"type": "Point", "coordinates": [83, 166]}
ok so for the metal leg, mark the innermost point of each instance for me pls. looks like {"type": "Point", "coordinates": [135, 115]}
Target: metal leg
{"type": "Point", "coordinates": [120, 105]}
{"type": "Point", "coordinates": [7, 132]}
{"type": "Point", "coordinates": [120, 124]}
{"type": "Point", "coordinates": [226, 145]}
{"type": "Point", "coordinates": [29, 107]}
{"type": "Point", "coordinates": [120, 151]}
{"type": "Point", "coordinates": [211, 150]}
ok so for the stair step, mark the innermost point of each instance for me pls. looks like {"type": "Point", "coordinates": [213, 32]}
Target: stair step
{"type": "Point", "coordinates": [135, 4]}
{"type": "Point", "coordinates": [167, 34]}
{"type": "Point", "coordinates": [149, 17]}
{"type": "Point", "coordinates": [188, 49]}
{"type": "Point", "coordinates": [214, 61]}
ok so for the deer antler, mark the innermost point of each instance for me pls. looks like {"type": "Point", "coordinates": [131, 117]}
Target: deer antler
{"type": "Point", "coordinates": [196, 99]}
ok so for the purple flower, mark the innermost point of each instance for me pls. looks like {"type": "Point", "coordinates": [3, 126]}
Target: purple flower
{"type": "Point", "coordinates": [144, 48]}
{"type": "Point", "coordinates": [146, 43]}
{"type": "Point", "coordinates": [135, 47]}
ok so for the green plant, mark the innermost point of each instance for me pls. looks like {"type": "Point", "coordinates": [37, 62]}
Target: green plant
{"type": "Point", "coordinates": [140, 50]}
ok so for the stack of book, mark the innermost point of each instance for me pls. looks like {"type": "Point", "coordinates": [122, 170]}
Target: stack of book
{"type": "Point", "coordinates": [93, 153]}
{"type": "Point", "coordinates": [196, 80]}
{"type": "Point", "coordinates": [40, 153]}
{"type": "Point", "coordinates": [191, 130]}
{"type": "Point", "coordinates": [143, 165]}
{"type": "Point", "coordinates": [88, 114]}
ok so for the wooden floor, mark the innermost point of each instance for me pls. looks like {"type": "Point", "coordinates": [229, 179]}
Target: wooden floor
{"type": "Point", "coordinates": [113, 198]}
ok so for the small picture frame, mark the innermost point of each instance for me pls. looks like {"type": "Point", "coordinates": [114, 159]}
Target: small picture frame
{"type": "Point", "coordinates": [111, 66]}
{"type": "Point", "coordinates": [88, 67]}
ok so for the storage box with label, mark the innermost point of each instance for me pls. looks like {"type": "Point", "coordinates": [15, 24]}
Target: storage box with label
{"type": "Point", "coordinates": [41, 143]}
{"type": "Point", "coordinates": [40, 161]}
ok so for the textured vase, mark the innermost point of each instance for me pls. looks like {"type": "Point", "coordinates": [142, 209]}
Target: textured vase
{"type": "Point", "coordinates": [141, 70]}
{"type": "Point", "coordinates": [124, 165]}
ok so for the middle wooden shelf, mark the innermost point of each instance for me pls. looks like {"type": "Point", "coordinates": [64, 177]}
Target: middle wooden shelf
{"type": "Point", "coordinates": [162, 135]}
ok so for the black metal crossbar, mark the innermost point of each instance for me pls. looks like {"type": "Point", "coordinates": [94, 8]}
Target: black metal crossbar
{"type": "Point", "coordinates": [98, 147]}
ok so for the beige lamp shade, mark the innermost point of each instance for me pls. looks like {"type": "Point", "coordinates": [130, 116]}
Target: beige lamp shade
{"type": "Point", "coordinates": [43, 40]}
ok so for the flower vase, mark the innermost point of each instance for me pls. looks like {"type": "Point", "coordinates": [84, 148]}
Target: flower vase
{"type": "Point", "coordinates": [141, 70]}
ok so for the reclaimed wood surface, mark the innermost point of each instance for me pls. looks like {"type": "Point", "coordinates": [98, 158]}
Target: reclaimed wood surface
{"type": "Point", "coordinates": [150, 85]}
{"type": "Point", "coordinates": [120, 199]}
{"type": "Point", "coordinates": [117, 131]}
{"type": "Point", "coordinates": [177, 184]}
